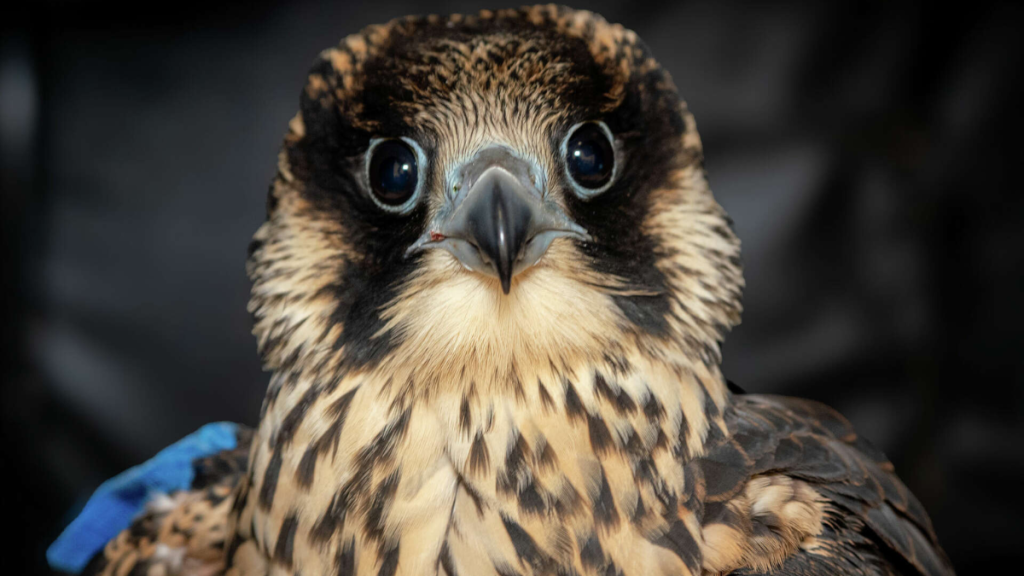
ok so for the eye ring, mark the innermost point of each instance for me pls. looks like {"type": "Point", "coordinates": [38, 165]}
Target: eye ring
{"type": "Point", "coordinates": [403, 186]}
{"type": "Point", "coordinates": [592, 166]}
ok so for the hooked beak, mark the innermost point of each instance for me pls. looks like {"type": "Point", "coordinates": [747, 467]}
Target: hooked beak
{"type": "Point", "coordinates": [498, 222]}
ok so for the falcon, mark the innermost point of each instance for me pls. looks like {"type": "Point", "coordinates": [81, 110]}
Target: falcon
{"type": "Point", "coordinates": [492, 290]}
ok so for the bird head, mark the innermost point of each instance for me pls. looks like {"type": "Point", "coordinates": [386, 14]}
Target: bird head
{"type": "Point", "coordinates": [484, 197]}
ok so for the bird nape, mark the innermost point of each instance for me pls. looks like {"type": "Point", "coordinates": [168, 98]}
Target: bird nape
{"type": "Point", "coordinates": [491, 290]}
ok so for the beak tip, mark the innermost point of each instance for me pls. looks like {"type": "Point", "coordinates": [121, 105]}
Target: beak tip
{"type": "Point", "coordinates": [506, 283]}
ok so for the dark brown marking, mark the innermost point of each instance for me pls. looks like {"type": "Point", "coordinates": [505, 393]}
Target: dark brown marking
{"type": "Point", "coordinates": [569, 501]}
{"type": "Point", "coordinates": [683, 446]}
{"type": "Point", "coordinates": [383, 495]}
{"type": "Point", "coordinates": [620, 400]}
{"type": "Point", "coordinates": [328, 441]}
{"type": "Point", "coordinates": [639, 512]}
{"type": "Point", "coordinates": [725, 471]}
{"type": "Point", "coordinates": [473, 495]}
{"type": "Point", "coordinates": [465, 420]}
{"type": "Point", "coordinates": [530, 501]}
{"type": "Point", "coordinates": [653, 408]}
{"type": "Point", "coordinates": [573, 405]}
{"type": "Point", "coordinates": [620, 365]}
{"type": "Point", "coordinates": [545, 458]}
{"type": "Point", "coordinates": [270, 480]}
{"type": "Point", "coordinates": [600, 438]}
{"type": "Point", "coordinates": [645, 471]}
{"type": "Point", "coordinates": [504, 569]}
{"type": "Point", "coordinates": [333, 519]}
{"type": "Point", "coordinates": [307, 467]}
{"type": "Point", "coordinates": [517, 384]}
{"type": "Point", "coordinates": [339, 409]}
{"type": "Point", "coordinates": [383, 445]}
{"type": "Point", "coordinates": [243, 496]}
{"type": "Point", "coordinates": [710, 408]}
{"type": "Point", "coordinates": [526, 548]}
{"type": "Point", "coordinates": [389, 563]}
{"type": "Point", "coordinates": [632, 443]}
{"type": "Point", "coordinates": [605, 514]}
{"type": "Point", "coordinates": [479, 457]}
{"type": "Point", "coordinates": [591, 553]}
{"type": "Point", "coordinates": [545, 398]}
{"type": "Point", "coordinates": [346, 560]}
{"type": "Point", "coordinates": [285, 546]}
{"type": "Point", "coordinates": [508, 477]}
{"type": "Point", "coordinates": [661, 442]}
{"type": "Point", "coordinates": [679, 540]}
{"type": "Point", "coordinates": [444, 558]}
{"type": "Point", "coordinates": [295, 416]}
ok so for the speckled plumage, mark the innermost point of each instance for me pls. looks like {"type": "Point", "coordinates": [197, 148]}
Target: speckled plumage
{"type": "Point", "coordinates": [419, 421]}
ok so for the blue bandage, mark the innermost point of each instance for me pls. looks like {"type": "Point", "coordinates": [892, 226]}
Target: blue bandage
{"type": "Point", "coordinates": [118, 500]}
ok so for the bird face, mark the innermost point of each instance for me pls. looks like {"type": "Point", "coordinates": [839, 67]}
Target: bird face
{"type": "Point", "coordinates": [479, 197]}
{"type": "Point", "coordinates": [500, 218]}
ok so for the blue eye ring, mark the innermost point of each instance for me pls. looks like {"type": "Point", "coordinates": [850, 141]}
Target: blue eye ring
{"type": "Point", "coordinates": [395, 171]}
{"type": "Point", "coordinates": [590, 157]}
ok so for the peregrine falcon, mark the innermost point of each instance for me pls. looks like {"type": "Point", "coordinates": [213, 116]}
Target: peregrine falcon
{"type": "Point", "coordinates": [492, 289]}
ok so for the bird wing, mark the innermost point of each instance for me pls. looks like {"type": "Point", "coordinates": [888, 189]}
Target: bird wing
{"type": "Point", "coordinates": [870, 522]}
{"type": "Point", "coordinates": [181, 532]}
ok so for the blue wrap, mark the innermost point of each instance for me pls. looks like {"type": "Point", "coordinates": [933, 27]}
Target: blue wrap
{"type": "Point", "coordinates": [118, 500]}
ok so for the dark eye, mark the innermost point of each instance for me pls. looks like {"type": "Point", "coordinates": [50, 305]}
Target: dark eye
{"type": "Point", "coordinates": [589, 156]}
{"type": "Point", "coordinates": [393, 173]}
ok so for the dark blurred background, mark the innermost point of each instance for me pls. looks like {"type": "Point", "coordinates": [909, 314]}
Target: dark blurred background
{"type": "Point", "coordinates": [870, 157]}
